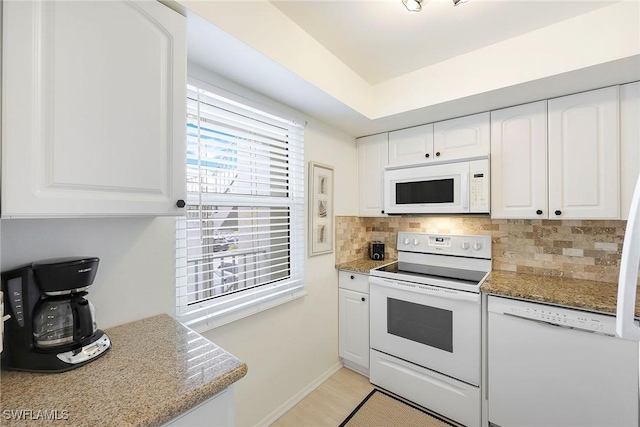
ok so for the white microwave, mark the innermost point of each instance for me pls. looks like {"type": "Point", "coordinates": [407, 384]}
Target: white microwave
{"type": "Point", "coordinates": [453, 186]}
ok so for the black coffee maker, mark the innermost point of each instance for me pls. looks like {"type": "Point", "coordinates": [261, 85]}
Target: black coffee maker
{"type": "Point", "coordinates": [52, 327]}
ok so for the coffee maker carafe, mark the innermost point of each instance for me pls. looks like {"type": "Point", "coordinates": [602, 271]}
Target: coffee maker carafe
{"type": "Point", "coordinates": [52, 327]}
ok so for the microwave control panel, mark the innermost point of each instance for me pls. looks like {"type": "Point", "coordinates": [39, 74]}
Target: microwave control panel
{"type": "Point", "coordinates": [479, 184]}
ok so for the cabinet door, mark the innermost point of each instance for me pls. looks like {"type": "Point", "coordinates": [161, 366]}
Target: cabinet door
{"type": "Point", "coordinates": [584, 156]}
{"type": "Point", "coordinates": [519, 161]}
{"type": "Point", "coordinates": [467, 136]}
{"type": "Point", "coordinates": [629, 144]}
{"type": "Point", "coordinates": [94, 108]}
{"type": "Point", "coordinates": [411, 146]}
{"type": "Point", "coordinates": [373, 155]}
{"type": "Point", "coordinates": [354, 327]}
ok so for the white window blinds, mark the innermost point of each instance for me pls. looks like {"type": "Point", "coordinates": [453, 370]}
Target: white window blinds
{"type": "Point", "coordinates": [241, 244]}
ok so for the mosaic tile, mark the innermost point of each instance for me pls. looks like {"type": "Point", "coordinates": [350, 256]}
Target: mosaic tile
{"type": "Point", "coordinates": [580, 249]}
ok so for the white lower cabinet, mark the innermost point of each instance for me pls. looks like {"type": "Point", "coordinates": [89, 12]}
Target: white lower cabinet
{"type": "Point", "coordinates": [217, 411]}
{"type": "Point", "coordinates": [353, 306]}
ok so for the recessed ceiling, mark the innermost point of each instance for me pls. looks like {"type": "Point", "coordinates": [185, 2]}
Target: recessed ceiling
{"type": "Point", "coordinates": [369, 66]}
{"type": "Point", "coordinates": [381, 40]}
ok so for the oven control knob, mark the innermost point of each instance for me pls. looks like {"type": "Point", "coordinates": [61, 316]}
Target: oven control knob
{"type": "Point", "coordinates": [477, 246]}
{"type": "Point", "coordinates": [406, 241]}
{"type": "Point", "coordinates": [416, 242]}
{"type": "Point", "coordinates": [464, 245]}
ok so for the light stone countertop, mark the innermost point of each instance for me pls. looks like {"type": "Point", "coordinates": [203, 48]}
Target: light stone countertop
{"type": "Point", "coordinates": [363, 265]}
{"type": "Point", "coordinates": [568, 292]}
{"type": "Point", "coordinates": [155, 370]}
{"type": "Point", "coordinates": [577, 293]}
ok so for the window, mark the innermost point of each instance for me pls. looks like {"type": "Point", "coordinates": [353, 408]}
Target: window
{"type": "Point", "coordinates": [240, 246]}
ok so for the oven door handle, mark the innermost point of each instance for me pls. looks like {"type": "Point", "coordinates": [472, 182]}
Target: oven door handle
{"type": "Point", "coordinates": [451, 294]}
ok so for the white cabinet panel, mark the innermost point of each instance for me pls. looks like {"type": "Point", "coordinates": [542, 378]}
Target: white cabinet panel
{"type": "Point", "coordinates": [373, 156]}
{"type": "Point", "coordinates": [629, 143]}
{"type": "Point", "coordinates": [411, 146]}
{"type": "Point", "coordinates": [467, 136]}
{"type": "Point", "coordinates": [94, 108]}
{"type": "Point", "coordinates": [354, 329]}
{"type": "Point", "coordinates": [214, 412]}
{"type": "Point", "coordinates": [519, 161]}
{"type": "Point", "coordinates": [584, 155]}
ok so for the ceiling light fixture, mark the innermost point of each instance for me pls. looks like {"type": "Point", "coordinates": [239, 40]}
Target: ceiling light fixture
{"type": "Point", "coordinates": [457, 2]}
{"type": "Point", "coordinates": [413, 5]}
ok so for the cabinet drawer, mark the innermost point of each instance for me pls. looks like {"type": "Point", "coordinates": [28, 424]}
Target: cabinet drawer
{"type": "Point", "coordinates": [357, 282]}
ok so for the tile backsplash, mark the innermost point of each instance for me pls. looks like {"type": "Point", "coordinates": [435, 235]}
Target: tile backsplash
{"type": "Point", "coordinates": [588, 249]}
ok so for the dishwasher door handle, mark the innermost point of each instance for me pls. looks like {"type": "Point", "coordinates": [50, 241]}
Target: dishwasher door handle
{"type": "Point", "coordinates": [555, 325]}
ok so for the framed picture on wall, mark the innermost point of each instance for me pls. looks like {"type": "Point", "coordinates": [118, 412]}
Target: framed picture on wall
{"type": "Point", "coordinates": [320, 209]}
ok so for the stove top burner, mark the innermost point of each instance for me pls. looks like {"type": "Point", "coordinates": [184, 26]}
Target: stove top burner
{"type": "Point", "coordinates": [451, 261]}
{"type": "Point", "coordinates": [418, 270]}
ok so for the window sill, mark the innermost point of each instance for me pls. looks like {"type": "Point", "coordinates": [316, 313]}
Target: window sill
{"type": "Point", "coordinates": [213, 322]}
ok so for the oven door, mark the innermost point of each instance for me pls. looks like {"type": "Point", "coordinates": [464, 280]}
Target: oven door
{"type": "Point", "coordinates": [440, 188]}
{"type": "Point", "coordinates": [433, 327]}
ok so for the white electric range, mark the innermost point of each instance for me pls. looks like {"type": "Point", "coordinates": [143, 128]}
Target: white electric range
{"type": "Point", "coordinates": [426, 322]}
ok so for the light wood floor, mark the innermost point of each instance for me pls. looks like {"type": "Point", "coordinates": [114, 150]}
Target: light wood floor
{"type": "Point", "coordinates": [330, 403]}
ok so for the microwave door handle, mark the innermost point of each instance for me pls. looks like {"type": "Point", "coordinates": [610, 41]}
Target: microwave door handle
{"type": "Point", "coordinates": [464, 190]}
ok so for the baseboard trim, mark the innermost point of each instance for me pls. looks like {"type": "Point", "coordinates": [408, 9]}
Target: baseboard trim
{"type": "Point", "coordinates": [295, 399]}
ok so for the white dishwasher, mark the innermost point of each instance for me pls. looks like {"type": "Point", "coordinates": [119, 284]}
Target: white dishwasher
{"type": "Point", "coordinates": [556, 367]}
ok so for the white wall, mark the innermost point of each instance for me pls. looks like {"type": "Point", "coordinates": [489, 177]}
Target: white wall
{"type": "Point", "coordinates": [286, 348]}
{"type": "Point", "coordinates": [136, 274]}
{"type": "Point", "coordinates": [290, 346]}
{"type": "Point", "coordinates": [598, 37]}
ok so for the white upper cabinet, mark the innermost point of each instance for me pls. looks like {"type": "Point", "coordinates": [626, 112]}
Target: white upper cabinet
{"type": "Point", "coordinates": [519, 161]}
{"type": "Point", "coordinates": [93, 108]}
{"type": "Point", "coordinates": [584, 173]}
{"type": "Point", "coordinates": [373, 156]}
{"type": "Point", "coordinates": [467, 136]}
{"type": "Point", "coordinates": [458, 138]}
{"type": "Point", "coordinates": [629, 144]}
{"type": "Point", "coordinates": [411, 146]}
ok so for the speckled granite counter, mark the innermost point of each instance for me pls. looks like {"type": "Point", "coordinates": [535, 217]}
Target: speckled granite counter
{"type": "Point", "coordinates": [584, 294]}
{"type": "Point", "coordinates": [362, 265]}
{"type": "Point", "coordinates": [155, 370]}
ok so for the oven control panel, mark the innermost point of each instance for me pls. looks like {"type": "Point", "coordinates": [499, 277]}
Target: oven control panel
{"type": "Point", "coordinates": [473, 246]}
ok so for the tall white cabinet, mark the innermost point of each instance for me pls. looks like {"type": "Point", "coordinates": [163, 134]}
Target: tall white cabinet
{"type": "Point", "coordinates": [557, 159]}
{"type": "Point", "coordinates": [519, 161]}
{"type": "Point", "coordinates": [584, 173]}
{"type": "Point", "coordinates": [373, 156]}
{"type": "Point", "coordinates": [93, 109]}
